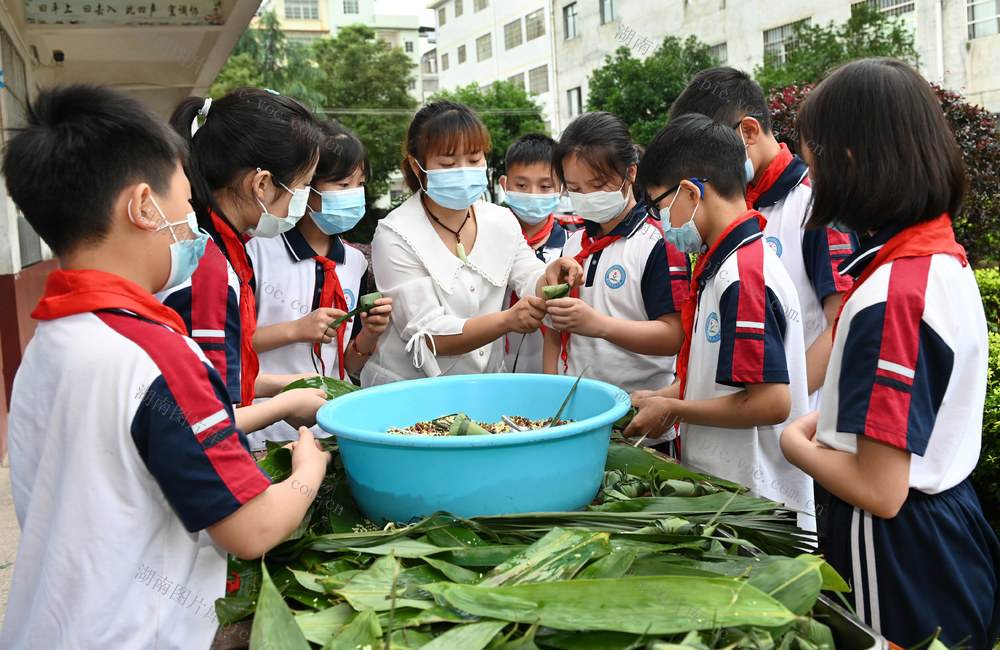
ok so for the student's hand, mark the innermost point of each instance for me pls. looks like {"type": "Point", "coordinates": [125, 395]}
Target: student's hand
{"type": "Point", "coordinates": [300, 405]}
{"type": "Point", "coordinates": [800, 436]}
{"type": "Point", "coordinates": [307, 451]}
{"type": "Point", "coordinates": [576, 317]}
{"type": "Point", "coordinates": [655, 417]}
{"type": "Point", "coordinates": [375, 322]}
{"type": "Point", "coordinates": [640, 395]}
{"type": "Point", "coordinates": [525, 315]}
{"type": "Point", "coordinates": [564, 270]}
{"type": "Point", "coordinates": [315, 326]}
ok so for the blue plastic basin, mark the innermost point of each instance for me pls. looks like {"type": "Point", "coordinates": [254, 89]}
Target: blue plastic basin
{"type": "Point", "coordinates": [397, 478]}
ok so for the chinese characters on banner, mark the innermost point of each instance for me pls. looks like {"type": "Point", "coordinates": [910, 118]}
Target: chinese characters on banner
{"type": "Point", "coordinates": [124, 12]}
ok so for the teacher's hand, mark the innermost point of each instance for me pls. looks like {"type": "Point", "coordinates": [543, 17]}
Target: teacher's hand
{"type": "Point", "coordinates": [564, 270]}
{"type": "Point", "coordinates": [526, 315]}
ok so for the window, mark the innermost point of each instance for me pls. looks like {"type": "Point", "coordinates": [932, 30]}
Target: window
{"type": "Point", "coordinates": [408, 46]}
{"type": "Point", "coordinates": [302, 9]}
{"type": "Point", "coordinates": [302, 39]}
{"type": "Point", "coordinates": [534, 24]}
{"type": "Point", "coordinates": [413, 84]}
{"type": "Point", "coordinates": [984, 18]}
{"type": "Point", "coordinates": [721, 53]}
{"type": "Point", "coordinates": [574, 101]}
{"type": "Point", "coordinates": [479, 5]}
{"type": "Point", "coordinates": [608, 13]}
{"type": "Point", "coordinates": [890, 7]}
{"type": "Point", "coordinates": [512, 34]}
{"type": "Point", "coordinates": [569, 21]}
{"type": "Point", "coordinates": [458, 8]}
{"type": "Point", "coordinates": [780, 40]}
{"type": "Point", "coordinates": [442, 16]}
{"type": "Point", "coordinates": [517, 80]}
{"type": "Point", "coordinates": [538, 79]}
{"type": "Point", "coordinates": [484, 47]}
{"type": "Point", "coordinates": [444, 61]}
{"type": "Point", "coordinates": [351, 7]}
{"type": "Point", "coordinates": [461, 54]}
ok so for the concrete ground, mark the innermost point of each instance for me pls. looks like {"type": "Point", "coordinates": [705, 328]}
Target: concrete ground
{"type": "Point", "coordinates": [10, 532]}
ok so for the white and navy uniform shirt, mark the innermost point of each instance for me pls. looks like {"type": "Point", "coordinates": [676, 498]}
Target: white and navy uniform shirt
{"type": "Point", "coordinates": [747, 330]}
{"type": "Point", "coordinates": [908, 366]}
{"type": "Point", "coordinates": [115, 480]}
{"type": "Point", "coordinates": [289, 283]}
{"type": "Point", "coordinates": [529, 352]}
{"type": "Point", "coordinates": [216, 330]}
{"type": "Point", "coordinates": [810, 255]}
{"type": "Point", "coordinates": [638, 277]}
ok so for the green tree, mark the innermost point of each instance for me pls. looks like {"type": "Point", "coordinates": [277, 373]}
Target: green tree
{"type": "Point", "coordinates": [817, 48]}
{"type": "Point", "coordinates": [263, 57]}
{"type": "Point", "coordinates": [366, 88]}
{"type": "Point", "coordinates": [640, 91]}
{"type": "Point", "coordinates": [508, 113]}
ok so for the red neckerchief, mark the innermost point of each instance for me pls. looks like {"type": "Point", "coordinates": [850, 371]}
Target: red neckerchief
{"type": "Point", "coordinates": [691, 304]}
{"type": "Point", "coordinates": [588, 248]}
{"type": "Point", "coordinates": [78, 292]}
{"type": "Point", "coordinates": [539, 237]}
{"type": "Point", "coordinates": [770, 176]}
{"type": "Point", "coordinates": [332, 295]}
{"type": "Point", "coordinates": [237, 255]}
{"type": "Point", "coordinates": [922, 240]}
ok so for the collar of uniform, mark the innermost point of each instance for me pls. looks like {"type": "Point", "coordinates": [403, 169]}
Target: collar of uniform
{"type": "Point", "coordinates": [557, 238]}
{"type": "Point", "coordinates": [855, 264]}
{"type": "Point", "coordinates": [625, 228]}
{"type": "Point", "coordinates": [496, 227]}
{"type": "Point", "coordinates": [794, 173]}
{"type": "Point", "coordinates": [300, 249]}
{"type": "Point", "coordinates": [744, 232]}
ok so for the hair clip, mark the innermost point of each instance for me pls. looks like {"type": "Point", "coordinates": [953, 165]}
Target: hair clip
{"type": "Point", "coordinates": [203, 111]}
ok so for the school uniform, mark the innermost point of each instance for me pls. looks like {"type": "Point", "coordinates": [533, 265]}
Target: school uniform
{"type": "Point", "coordinates": [217, 306]}
{"type": "Point", "coordinates": [527, 348]}
{"type": "Point", "coordinates": [434, 292]}
{"type": "Point", "coordinates": [292, 281]}
{"type": "Point", "coordinates": [116, 479]}
{"type": "Point", "coordinates": [783, 196]}
{"type": "Point", "coordinates": [635, 276]}
{"type": "Point", "coordinates": [745, 328]}
{"type": "Point", "coordinates": [908, 368]}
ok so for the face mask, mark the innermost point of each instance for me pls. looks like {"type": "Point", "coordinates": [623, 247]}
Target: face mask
{"type": "Point", "coordinates": [455, 189]}
{"type": "Point", "coordinates": [184, 254]}
{"type": "Point", "coordinates": [747, 164]}
{"type": "Point", "coordinates": [600, 207]}
{"type": "Point", "coordinates": [342, 210]}
{"type": "Point", "coordinates": [532, 209]}
{"type": "Point", "coordinates": [686, 239]}
{"type": "Point", "coordinates": [271, 225]}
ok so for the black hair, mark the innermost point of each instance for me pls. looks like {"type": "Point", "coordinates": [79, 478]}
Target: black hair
{"type": "Point", "coordinates": [441, 127]}
{"type": "Point", "coordinates": [697, 146]}
{"type": "Point", "coordinates": [726, 95]}
{"type": "Point", "coordinates": [83, 146]}
{"type": "Point", "coordinates": [246, 129]}
{"type": "Point", "coordinates": [599, 140]}
{"type": "Point", "coordinates": [341, 155]}
{"type": "Point", "coordinates": [884, 157]}
{"type": "Point", "coordinates": [530, 148]}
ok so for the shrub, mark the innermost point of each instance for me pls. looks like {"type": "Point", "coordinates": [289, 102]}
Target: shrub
{"type": "Point", "coordinates": [986, 476]}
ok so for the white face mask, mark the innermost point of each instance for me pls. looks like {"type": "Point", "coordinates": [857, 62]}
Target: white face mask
{"type": "Point", "coordinates": [600, 206]}
{"type": "Point", "coordinates": [271, 225]}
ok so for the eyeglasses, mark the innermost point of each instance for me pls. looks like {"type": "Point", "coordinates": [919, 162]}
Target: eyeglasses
{"type": "Point", "coordinates": [756, 116]}
{"type": "Point", "coordinates": [652, 205]}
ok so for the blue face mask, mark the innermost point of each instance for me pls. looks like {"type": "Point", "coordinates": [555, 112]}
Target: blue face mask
{"type": "Point", "coordinates": [184, 253]}
{"type": "Point", "coordinates": [747, 164]}
{"type": "Point", "coordinates": [532, 209]}
{"type": "Point", "coordinates": [342, 210]}
{"type": "Point", "coordinates": [455, 189]}
{"type": "Point", "coordinates": [685, 239]}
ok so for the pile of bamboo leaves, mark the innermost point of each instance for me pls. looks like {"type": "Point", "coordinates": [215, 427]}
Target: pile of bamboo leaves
{"type": "Point", "coordinates": [667, 570]}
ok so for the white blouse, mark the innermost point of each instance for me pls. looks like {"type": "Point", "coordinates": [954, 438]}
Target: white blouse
{"type": "Point", "coordinates": [434, 292]}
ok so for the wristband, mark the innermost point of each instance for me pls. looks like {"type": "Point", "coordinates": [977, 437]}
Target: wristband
{"type": "Point", "coordinates": [354, 344]}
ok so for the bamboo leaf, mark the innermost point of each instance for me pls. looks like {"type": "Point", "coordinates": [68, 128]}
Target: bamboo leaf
{"type": "Point", "coordinates": [613, 565]}
{"type": "Point", "coordinates": [653, 605]}
{"type": "Point", "coordinates": [639, 462]}
{"type": "Point", "coordinates": [556, 556]}
{"type": "Point", "coordinates": [472, 636]}
{"type": "Point", "coordinates": [453, 571]}
{"type": "Point", "coordinates": [572, 390]}
{"type": "Point", "coordinates": [794, 582]}
{"type": "Point", "coordinates": [319, 627]}
{"type": "Point", "coordinates": [454, 536]}
{"type": "Point", "coordinates": [374, 588]}
{"type": "Point", "coordinates": [408, 548]}
{"type": "Point", "coordinates": [363, 631]}
{"type": "Point", "coordinates": [482, 556]}
{"type": "Point", "coordinates": [334, 387]}
{"type": "Point", "coordinates": [273, 623]}
{"type": "Point", "coordinates": [310, 581]}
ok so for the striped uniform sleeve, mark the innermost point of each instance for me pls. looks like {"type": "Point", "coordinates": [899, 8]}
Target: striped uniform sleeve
{"type": "Point", "coordinates": [666, 280]}
{"type": "Point", "coordinates": [823, 249]}
{"type": "Point", "coordinates": [752, 326]}
{"type": "Point", "coordinates": [896, 368]}
{"type": "Point", "coordinates": [184, 431]}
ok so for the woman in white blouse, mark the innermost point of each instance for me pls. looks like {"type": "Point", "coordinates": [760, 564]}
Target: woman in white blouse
{"type": "Point", "coordinates": [446, 258]}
